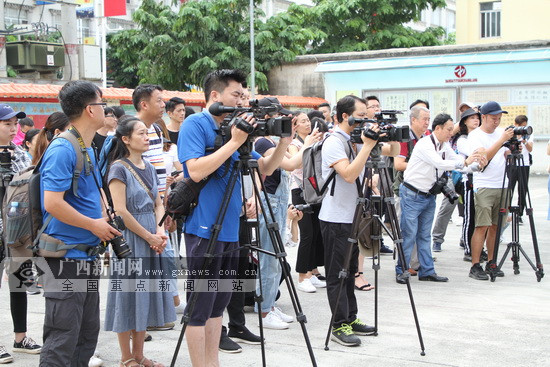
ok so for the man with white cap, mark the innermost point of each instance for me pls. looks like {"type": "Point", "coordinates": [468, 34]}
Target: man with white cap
{"type": "Point", "coordinates": [488, 184]}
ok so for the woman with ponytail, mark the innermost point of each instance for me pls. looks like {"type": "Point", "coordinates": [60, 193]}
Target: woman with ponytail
{"type": "Point", "coordinates": [132, 182]}
{"type": "Point", "coordinates": [56, 123]}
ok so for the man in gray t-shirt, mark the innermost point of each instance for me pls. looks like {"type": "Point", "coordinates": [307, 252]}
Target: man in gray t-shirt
{"type": "Point", "coordinates": [336, 217]}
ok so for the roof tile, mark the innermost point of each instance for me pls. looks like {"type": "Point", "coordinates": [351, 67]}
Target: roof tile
{"type": "Point", "coordinates": [14, 90]}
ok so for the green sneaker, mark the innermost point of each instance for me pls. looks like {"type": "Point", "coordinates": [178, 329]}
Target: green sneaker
{"type": "Point", "coordinates": [344, 335]}
{"type": "Point", "coordinates": [360, 328]}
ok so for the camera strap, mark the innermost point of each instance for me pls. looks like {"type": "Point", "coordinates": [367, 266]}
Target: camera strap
{"type": "Point", "coordinates": [436, 150]}
{"type": "Point", "coordinates": [90, 168]}
{"type": "Point", "coordinates": [129, 167]}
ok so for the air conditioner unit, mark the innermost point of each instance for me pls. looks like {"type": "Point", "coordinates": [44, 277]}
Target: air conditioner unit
{"type": "Point", "coordinates": [29, 56]}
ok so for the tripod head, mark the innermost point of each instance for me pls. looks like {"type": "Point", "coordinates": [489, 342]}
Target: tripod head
{"type": "Point", "coordinates": [376, 160]}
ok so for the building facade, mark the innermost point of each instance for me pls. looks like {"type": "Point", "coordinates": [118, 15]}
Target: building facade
{"type": "Point", "coordinates": [482, 21]}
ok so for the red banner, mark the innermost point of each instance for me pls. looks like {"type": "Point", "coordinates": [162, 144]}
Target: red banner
{"type": "Point", "coordinates": [113, 8]}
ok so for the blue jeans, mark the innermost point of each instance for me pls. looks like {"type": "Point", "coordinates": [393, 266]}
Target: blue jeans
{"type": "Point", "coordinates": [417, 215]}
{"type": "Point", "coordinates": [270, 268]}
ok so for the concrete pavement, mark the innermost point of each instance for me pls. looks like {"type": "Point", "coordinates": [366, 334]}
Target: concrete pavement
{"type": "Point", "coordinates": [464, 322]}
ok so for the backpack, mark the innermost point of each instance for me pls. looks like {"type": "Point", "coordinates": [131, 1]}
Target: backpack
{"type": "Point", "coordinates": [315, 186]}
{"type": "Point", "coordinates": [21, 209]}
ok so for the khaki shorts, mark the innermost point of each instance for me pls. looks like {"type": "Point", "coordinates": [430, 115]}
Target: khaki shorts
{"type": "Point", "coordinates": [487, 205]}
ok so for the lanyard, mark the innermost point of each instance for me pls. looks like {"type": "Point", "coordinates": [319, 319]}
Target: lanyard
{"type": "Point", "coordinates": [89, 168]}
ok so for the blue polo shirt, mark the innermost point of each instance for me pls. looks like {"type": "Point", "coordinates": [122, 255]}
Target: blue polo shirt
{"type": "Point", "coordinates": [56, 174]}
{"type": "Point", "coordinates": [198, 133]}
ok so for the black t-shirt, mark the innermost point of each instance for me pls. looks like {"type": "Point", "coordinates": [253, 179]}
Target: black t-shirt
{"type": "Point", "coordinates": [271, 183]}
{"type": "Point", "coordinates": [174, 136]}
{"type": "Point", "coordinates": [99, 140]}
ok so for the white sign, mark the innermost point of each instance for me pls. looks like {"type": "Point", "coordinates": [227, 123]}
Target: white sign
{"type": "Point", "coordinates": [49, 60]}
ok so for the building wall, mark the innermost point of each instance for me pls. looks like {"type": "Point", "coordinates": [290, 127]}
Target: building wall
{"type": "Point", "coordinates": [298, 79]}
{"type": "Point", "coordinates": [520, 21]}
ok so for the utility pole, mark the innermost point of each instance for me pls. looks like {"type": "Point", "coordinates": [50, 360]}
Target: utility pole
{"type": "Point", "coordinates": [3, 62]}
{"type": "Point", "coordinates": [252, 55]}
{"type": "Point", "coordinates": [69, 31]}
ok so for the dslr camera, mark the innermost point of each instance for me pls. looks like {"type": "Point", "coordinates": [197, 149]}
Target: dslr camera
{"type": "Point", "coordinates": [513, 144]}
{"type": "Point", "coordinates": [306, 208]}
{"type": "Point", "coordinates": [440, 186]}
{"type": "Point", "coordinates": [273, 126]}
{"type": "Point", "coordinates": [385, 120]}
{"type": "Point", "coordinates": [119, 244]}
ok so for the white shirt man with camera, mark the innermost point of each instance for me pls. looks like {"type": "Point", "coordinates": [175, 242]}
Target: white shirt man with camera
{"type": "Point", "coordinates": [431, 157]}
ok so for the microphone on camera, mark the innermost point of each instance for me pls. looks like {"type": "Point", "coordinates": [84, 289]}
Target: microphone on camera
{"type": "Point", "coordinates": [218, 109]}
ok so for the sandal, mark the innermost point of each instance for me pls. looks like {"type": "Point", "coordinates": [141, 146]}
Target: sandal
{"type": "Point", "coordinates": [153, 363]}
{"type": "Point", "coordinates": [127, 363]}
{"type": "Point", "coordinates": [364, 287]}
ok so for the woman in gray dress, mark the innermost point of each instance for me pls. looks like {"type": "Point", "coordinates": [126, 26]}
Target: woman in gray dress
{"type": "Point", "coordinates": [136, 299]}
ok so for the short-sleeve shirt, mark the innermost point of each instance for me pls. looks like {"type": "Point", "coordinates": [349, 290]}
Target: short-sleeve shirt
{"type": "Point", "coordinates": [196, 135]}
{"type": "Point", "coordinates": [56, 171]}
{"type": "Point", "coordinates": [525, 152]}
{"type": "Point", "coordinates": [493, 174]}
{"type": "Point", "coordinates": [340, 207]}
{"type": "Point", "coordinates": [271, 183]}
{"type": "Point", "coordinates": [155, 155]}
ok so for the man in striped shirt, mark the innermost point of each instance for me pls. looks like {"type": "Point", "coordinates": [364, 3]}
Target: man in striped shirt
{"type": "Point", "coordinates": [148, 102]}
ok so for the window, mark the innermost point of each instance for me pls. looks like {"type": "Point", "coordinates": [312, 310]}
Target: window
{"type": "Point", "coordinates": [15, 16]}
{"type": "Point", "coordinates": [490, 19]}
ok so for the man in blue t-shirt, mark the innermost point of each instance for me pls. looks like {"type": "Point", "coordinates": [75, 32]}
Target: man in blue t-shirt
{"type": "Point", "coordinates": [196, 136]}
{"type": "Point", "coordinates": [71, 322]}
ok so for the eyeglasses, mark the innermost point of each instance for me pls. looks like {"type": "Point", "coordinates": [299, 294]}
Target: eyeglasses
{"type": "Point", "coordinates": [111, 115]}
{"type": "Point", "coordinates": [102, 104]}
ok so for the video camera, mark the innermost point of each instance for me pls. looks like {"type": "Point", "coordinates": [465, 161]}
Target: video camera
{"type": "Point", "coordinates": [385, 120]}
{"type": "Point", "coordinates": [273, 126]}
{"type": "Point", "coordinates": [440, 186]}
{"type": "Point", "coordinates": [513, 144]}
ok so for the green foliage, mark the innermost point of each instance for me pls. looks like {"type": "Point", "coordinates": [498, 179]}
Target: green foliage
{"type": "Point", "coordinates": [360, 25]}
{"type": "Point", "coordinates": [176, 50]}
{"type": "Point", "coordinates": [450, 39]}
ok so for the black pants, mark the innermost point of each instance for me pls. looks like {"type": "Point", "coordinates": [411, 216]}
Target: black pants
{"type": "Point", "coordinates": [469, 222]}
{"type": "Point", "coordinates": [335, 238]}
{"type": "Point", "coordinates": [18, 282]}
{"type": "Point", "coordinates": [235, 308]}
{"type": "Point", "coordinates": [310, 250]}
{"type": "Point", "coordinates": [522, 192]}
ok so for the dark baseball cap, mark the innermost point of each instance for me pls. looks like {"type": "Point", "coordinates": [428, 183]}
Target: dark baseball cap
{"type": "Point", "coordinates": [491, 108]}
{"type": "Point", "coordinates": [469, 112]}
{"type": "Point", "coordinates": [6, 113]}
{"type": "Point", "coordinates": [269, 101]}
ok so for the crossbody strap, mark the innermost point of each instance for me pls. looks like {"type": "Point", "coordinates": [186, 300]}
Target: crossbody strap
{"type": "Point", "coordinates": [136, 176]}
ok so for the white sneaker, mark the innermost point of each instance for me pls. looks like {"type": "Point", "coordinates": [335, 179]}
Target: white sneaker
{"type": "Point", "coordinates": [281, 315]}
{"type": "Point", "coordinates": [317, 283]}
{"type": "Point", "coordinates": [180, 308]}
{"type": "Point", "coordinates": [95, 362]}
{"type": "Point", "coordinates": [306, 286]}
{"type": "Point", "coordinates": [272, 321]}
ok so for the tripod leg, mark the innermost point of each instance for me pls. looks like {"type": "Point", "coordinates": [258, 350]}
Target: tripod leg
{"type": "Point", "coordinates": [208, 256]}
{"type": "Point", "coordinates": [386, 190]}
{"type": "Point", "coordinates": [277, 243]}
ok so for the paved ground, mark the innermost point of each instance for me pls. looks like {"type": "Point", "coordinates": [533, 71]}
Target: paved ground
{"type": "Point", "coordinates": [464, 322]}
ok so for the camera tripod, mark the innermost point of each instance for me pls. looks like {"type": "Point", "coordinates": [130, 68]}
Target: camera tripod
{"type": "Point", "coordinates": [371, 210]}
{"type": "Point", "coordinates": [246, 165]}
{"type": "Point", "coordinates": [513, 162]}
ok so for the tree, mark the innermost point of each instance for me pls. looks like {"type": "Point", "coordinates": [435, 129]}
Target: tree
{"type": "Point", "coordinates": [178, 50]}
{"type": "Point", "coordinates": [360, 25]}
